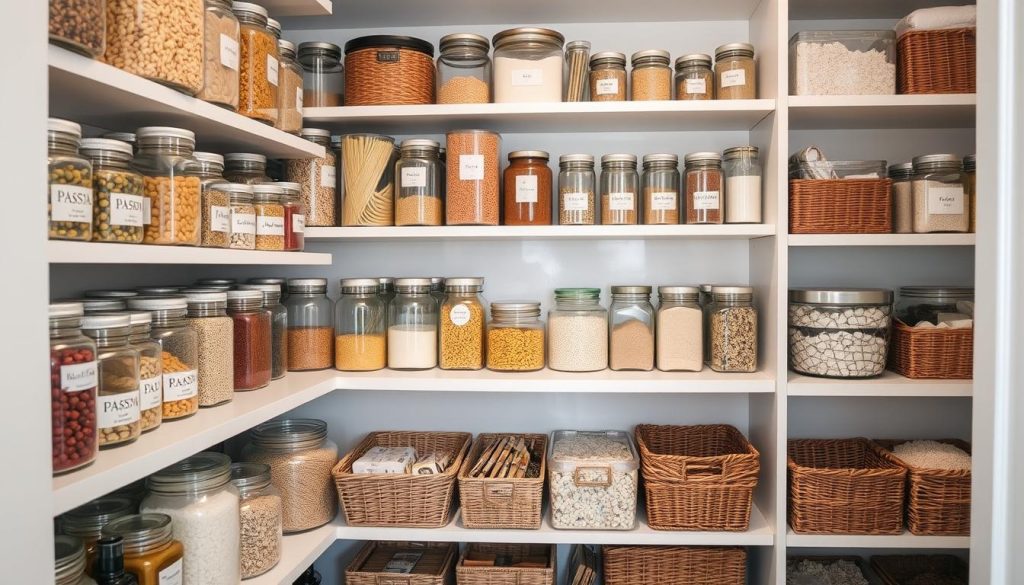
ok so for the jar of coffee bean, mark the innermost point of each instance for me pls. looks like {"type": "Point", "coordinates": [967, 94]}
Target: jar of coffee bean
{"type": "Point", "coordinates": [70, 183]}
{"type": "Point", "coordinates": [72, 389]}
{"type": "Point", "coordinates": [118, 209]}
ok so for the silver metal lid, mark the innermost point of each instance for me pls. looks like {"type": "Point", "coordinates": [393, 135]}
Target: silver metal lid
{"type": "Point", "coordinates": [849, 296]}
{"type": "Point", "coordinates": [316, 47]}
{"type": "Point", "coordinates": [931, 159]}
{"type": "Point", "coordinates": [110, 294]}
{"type": "Point", "coordinates": [732, 290]}
{"type": "Point", "coordinates": [740, 151]}
{"type": "Point", "coordinates": [160, 291]}
{"type": "Point", "coordinates": [315, 133]}
{"type": "Point", "coordinates": [157, 303]}
{"type": "Point", "coordinates": [307, 284]}
{"type": "Point", "coordinates": [216, 281]}
{"type": "Point", "coordinates": [193, 297]}
{"type": "Point", "coordinates": [464, 40]}
{"type": "Point", "coordinates": [244, 295]}
{"type": "Point", "coordinates": [244, 157]}
{"type": "Point", "coordinates": [527, 33]}
{"type": "Point", "coordinates": [693, 59]}
{"type": "Point", "coordinates": [661, 158]}
{"type": "Point", "coordinates": [128, 137]}
{"type": "Point", "coordinates": [290, 433]}
{"type": "Point", "coordinates": [436, 283]}
{"type": "Point", "coordinates": [139, 317]}
{"type": "Point", "coordinates": [901, 171]}
{"type": "Point", "coordinates": [654, 55]}
{"type": "Point", "coordinates": [935, 292]}
{"type": "Point", "coordinates": [631, 290]}
{"type": "Point", "coordinates": [165, 132]}
{"type": "Point", "coordinates": [89, 145]}
{"type": "Point", "coordinates": [63, 309]}
{"type": "Point", "coordinates": [249, 7]}
{"type": "Point", "coordinates": [209, 157]}
{"type": "Point", "coordinates": [238, 189]}
{"type": "Point", "coordinates": [355, 286]}
{"type": "Point", "coordinates": [65, 126]}
{"type": "Point", "coordinates": [412, 285]}
{"type": "Point", "coordinates": [695, 157]}
{"type": "Point", "coordinates": [274, 25]}
{"type": "Point", "coordinates": [267, 189]}
{"type": "Point", "coordinates": [464, 282]}
{"type": "Point", "coordinates": [87, 520]}
{"type": "Point", "coordinates": [706, 288]}
{"type": "Point", "coordinates": [141, 532]}
{"type": "Point", "coordinates": [420, 143]}
{"type": "Point", "coordinates": [103, 321]}
{"type": "Point", "coordinates": [103, 304]}
{"type": "Point", "coordinates": [528, 154]}
{"type": "Point", "coordinates": [618, 158]}
{"type": "Point", "coordinates": [266, 289]}
{"type": "Point", "coordinates": [576, 158]}
{"type": "Point", "coordinates": [734, 49]}
{"type": "Point", "coordinates": [246, 475]}
{"type": "Point", "coordinates": [268, 280]}
{"type": "Point", "coordinates": [385, 281]}
{"type": "Point", "coordinates": [284, 45]}
{"type": "Point", "coordinates": [515, 308]}
{"type": "Point", "coordinates": [68, 556]}
{"type": "Point", "coordinates": [200, 472]}
{"type": "Point", "coordinates": [575, 45]}
{"type": "Point", "coordinates": [678, 290]}
{"type": "Point", "coordinates": [607, 58]}
{"type": "Point", "coordinates": [472, 131]}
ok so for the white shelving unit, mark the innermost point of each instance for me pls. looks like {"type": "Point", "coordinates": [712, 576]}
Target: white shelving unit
{"type": "Point", "coordinates": [893, 541]}
{"type": "Point", "coordinates": [888, 384]}
{"type": "Point", "coordinates": [554, 232]}
{"type": "Point", "coordinates": [881, 111]}
{"type": "Point", "coordinates": [105, 253]}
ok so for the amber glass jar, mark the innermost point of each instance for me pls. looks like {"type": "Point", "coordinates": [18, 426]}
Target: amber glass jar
{"type": "Point", "coordinates": [528, 188]}
{"type": "Point", "coordinates": [150, 551]}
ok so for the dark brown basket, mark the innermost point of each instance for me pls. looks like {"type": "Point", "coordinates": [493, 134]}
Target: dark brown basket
{"type": "Point", "coordinates": [509, 575]}
{"type": "Point", "coordinates": [433, 568]}
{"type": "Point", "coordinates": [938, 500]}
{"type": "Point", "coordinates": [937, 61]}
{"type": "Point", "coordinates": [405, 78]}
{"type": "Point", "coordinates": [844, 486]}
{"type": "Point", "coordinates": [920, 569]}
{"type": "Point", "coordinates": [698, 477]}
{"type": "Point", "coordinates": [414, 501]}
{"type": "Point", "coordinates": [502, 503]}
{"type": "Point", "coordinates": [932, 354]}
{"type": "Point", "coordinates": [840, 206]}
{"type": "Point", "coordinates": [675, 565]}
{"type": "Point", "coordinates": [828, 560]}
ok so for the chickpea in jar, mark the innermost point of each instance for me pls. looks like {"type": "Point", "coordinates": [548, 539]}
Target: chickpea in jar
{"type": "Point", "coordinates": [118, 202]}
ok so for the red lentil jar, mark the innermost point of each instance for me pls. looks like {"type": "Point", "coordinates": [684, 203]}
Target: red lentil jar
{"type": "Point", "coordinates": [294, 217]}
{"type": "Point", "coordinates": [73, 379]}
{"type": "Point", "coordinates": [252, 339]}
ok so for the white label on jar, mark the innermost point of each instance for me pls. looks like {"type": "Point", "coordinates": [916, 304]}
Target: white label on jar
{"type": "Point", "coordinates": [271, 70]}
{"type": "Point", "coordinates": [527, 77]}
{"type": "Point", "coordinates": [298, 223]}
{"type": "Point", "coordinates": [620, 201]}
{"type": "Point", "coordinates": [181, 385]}
{"type": "Point", "coordinates": [459, 314]}
{"type": "Point", "coordinates": [526, 189]}
{"type": "Point", "coordinates": [328, 176]}
{"type": "Point", "coordinates": [734, 77]}
{"type": "Point", "coordinates": [699, 86]}
{"type": "Point", "coordinates": [70, 203]}
{"type": "Point", "coordinates": [575, 201]}
{"type": "Point", "coordinates": [268, 225]}
{"type": "Point", "coordinates": [171, 575]}
{"type": "Point", "coordinates": [946, 200]}
{"type": "Point", "coordinates": [471, 167]}
{"type": "Point", "coordinates": [78, 377]}
{"type": "Point", "coordinates": [298, 100]}
{"type": "Point", "coordinates": [705, 199]}
{"type": "Point", "coordinates": [243, 223]}
{"type": "Point", "coordinates": [127, 209]}
{"type": "Point", "coordinates": [220, 219]}
{"type": "Point", "coordinates": [663, 201]}
{"type": "Point", "coordinates": [115, 410]}
{"type": "Point", "coordinates": [147, 211]}
{"type": "Point", "coordinates": [607, 86]}
{"type": "Point", "coordinates": [228, 52]}
{"type": "Point", "coordinates": [414, 177]}
{"type": "Point", "coordinates": [151, 392]}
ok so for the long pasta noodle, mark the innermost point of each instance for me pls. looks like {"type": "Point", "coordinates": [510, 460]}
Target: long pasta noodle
{"type": "Point", "coordinates": [368, 197]}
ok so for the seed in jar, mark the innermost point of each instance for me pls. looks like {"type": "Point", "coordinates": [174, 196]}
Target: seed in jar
{"type": "Point", "coordinates": [464, 89]}
{"type": "Point", "coordinates": [578, 343]}
{"type": "Point", "coordinates": [318, 181]}
{"type": "Point", "coordinates": [473, 178]}
{"type": "Point", "coordinates": [261, 518]}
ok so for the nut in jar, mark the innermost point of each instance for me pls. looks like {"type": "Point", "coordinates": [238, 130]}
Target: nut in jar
{"type": "Point", "coordinates": [118, 212]}
{"type": "Point", "coordinates": [161, 41]}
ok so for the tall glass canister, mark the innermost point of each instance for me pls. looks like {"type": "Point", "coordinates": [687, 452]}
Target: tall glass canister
{"type": "Point", "coordinates": [259, 64]}
{"type": "Point", "coordinates": [310, 344]}
{"type": "Point", "coordinates": [318, 179]}
{"type": "Point", "coordinates": [619, 187]}
{"type": "Point", "coordinates": [207, 316]}
{"type": "Point", "coordinates": [73, 380]}
{"type": "Point", "coordinates": [733, 329]}
{"type": "Point", "coordinates": [278, 326]}
{"type": "Point", "coordinates": [661, 189]}
{"type": "Point", "coordinates": [220, 63]}
{"type": "Point", "coordinates": [360, 325]}
{"type": "Point", "coordinates": [463, 318]}
{"type": "Point", "coordinates": [252, 342]}
{"type": "Point", "coordinates": [118, 205]}
{"type": "Point", "coordinates": [323, 75]}
{"type": "Point", "coordinates": [703, 188]}
{"type": "Point", "coordinates": [741, 168]}
{"type": "Point", "coordinates": [418, 179]}
{"type": "Point", "coordinates": [179, 353]}
{"type": "Point", "coordinates": [171, 184]}
{"type": "Point", "coordinates": [117, 397]}
{"type": "Point", "coordinates": [631, 328]}
{"type": "Point", "coordinates": [679, 334]}
{"type": "Point", "coordinates": [577, 189]}
{"type": "Point", "coordinates": [412, 326]}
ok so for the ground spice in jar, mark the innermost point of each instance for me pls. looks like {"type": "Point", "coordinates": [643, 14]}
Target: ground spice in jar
{"type": "Point", "coordinates": [216, 231]}
{"type": "Point", "coordinates": [651, 76]}
{"type": "Point", "coordinates": [679, 329]}
{"type": "Point", "coordinates": [473, 196]}
{"type": "Point", "coordinates": [356, 352]}
{"type": "Point", "coordinates": [294, 217]}
{"type": "Point", "coordinates": [632, 346]}
{"type": "Point", "coordinates": [703, 188]}
{"type": "Point", "coordinates": [464, 89]}
{"type": "Point", "coordinates": [528, 188]}
{"type": "Point", "coordinates": [310, 348]}
{"type": "Point", "coordinates": [608, 77]}
{"type": "Point", "coordinates": [252, 339]}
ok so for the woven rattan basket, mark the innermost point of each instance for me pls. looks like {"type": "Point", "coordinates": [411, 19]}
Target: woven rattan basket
{"type": "Point", "coordinates": [936, 61]}
{"type": "Point", "coordinates": [420, 501]}
{"type": "Point", "coordinates": [938, 500]}
{"type": "Point", "coordinates": [840, 206]}
{"type": "Point", "coordinates": [510, 554]}
{"type": "Point", "coordinates": [917, 569]}
{"type": "Point", "coordinates": [931, 353]}
{"type": "Point", "coordinates": [674, 565]}
{"type": "Point", "coordinates": [697, 477]}
{"type": "Point", "coordinates": [433, 563]}
{"type": "Point", "coordinates": [387, 70]}
{"type": "Point", "coordinates": [844, 486]}
{"type": "Point", "coordinates": [506, 502]}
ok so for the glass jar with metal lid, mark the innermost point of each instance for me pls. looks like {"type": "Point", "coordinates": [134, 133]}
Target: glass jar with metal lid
{"type": "Point", "coordinates": [87, 521]}
{"type": "Point", "coordinates": [70, 183]}
{"type": "Point", "coordinates": [203, 505]}
{"type": "Point", "coordinates": [608, 77]}
{"type": "Point", "coordinates": [79, 26]}
{"type": "Point", "coordinates": [839, 333]}
{"type": "Point", "coordinates": [207, 316]}
{"type": "Point", "coordinates": [290, 98]}
{"type": "Point", "coordinates": [69, 562]}
{"type": "Point", "coordinates": [245, 167]}
{"type": "Point", "coordinates": [300, 457]}
{"type": "Point", "coordinates": [528, 65]}
{"type": "Point", "coordinates": [151, 384]}
{"type": "Point", "coordinates": [741, 168]}
{"type": "Point", "coordinates": [216, 230]}
{"type": "Point", "coordinates": [269, 216]}
{"type": "Point", "coordinates": [631, 328]}
{"type": "Point", "coordinates": [733, 329]}
{"type": "Point", "coordinates": [220, 65]}
{"type": "Point", "coordinates": [278, 326]}
{"type": "Point", "coordinates": [437, 289]}
{"type": "Point", "coordinates": [577, 63]}
{"type": "Point", "coordinates": [703, 193]}
{"type": "Point", "coordinates": [463, 319]}
{"type": "Point", "coordinates": [243, 216]}
{"type": "Point", "coordinates": [128, 137]}
{"type": "Point", "coordinates": [735, 72]}
{"type": "Point", "coordinates": [679, 339]}
{"type": "Point", "coordinates": [704, 299]}
{"type": "Point", "coordinates": [117, 200]}
{"type": "Point", "coordinates": [902, 197]}
{"type": "Point", "coordinates": [281, 282]}
{"type": "Point", "coordinates": [515, 337]}
{"type": "Point", "coordinates": [117, 395]}
{"type": "Point", "coordinates": [323, 75]}
{"type": "Point", "coordinates": [251, 339]}
{"type": "Point", "coordinates": [619, 186]}
{"type": "Point", "coordinates": [473, 187]}
{"type": "Point", "coordinates": [933, 303]}
{"type": "Point", "coordinates": [274, 28]}
{"type": "Point", "coordinates": [412, 326]}
{"type": "Point", "coordinates": [318, 178]}
{"type": "Point", "coordinates": [261, 515]}
{"type": "Point", "coordinates": [528, 188]}
{"type": "Point", "coordinates": [577, 202]}
{"type": "Point", "coordinates": [259, 65]}
{"type": "Point", "coordinates": [179, 353]}
{"type": "Point", "coordinates": [386, 288]}
{"type": "Point", "coordinates": [104, 305]}
{"type": "Point", "coordinates": [694, 78]}
{"type": "Point", "coordinates": [578, 331]}
{"type": "Point", "coordinates": [940, 203]}
{"type": "Point", "coordinates": [294, 216]}
{"type": "Point", "coordinates": [171, 184]}
{"type": "Point", "coordinates": [418, 180]}
{"type": "Point", "coordinates": [971, 188]}
{"type": "Point", "coordinates": [464, 70]}
{"type": "Point", "coordinates": [661, 189]}
{"type": "Point", "coordinates": [150, 551]}
{"type": "Point", "coordinates": [310, 343]}
{"type": "Point", "coordinates": [360, 326]}
{"type": "Point", "coordinates": [651, 78]}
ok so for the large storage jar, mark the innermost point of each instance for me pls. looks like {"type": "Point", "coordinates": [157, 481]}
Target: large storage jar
{"type": "Point", "coordinates": [360, 325]}
{"type": "Point", "coordinates": [732, 328]}
{"type": "Point", "coordinates": [368, 180]}
{"type": "Point", "coordinates": [161, 41]}
{"type": "Point", "coordinates": [839, 333]}
{"type": "Point", "coordinates": [385, 70]}
{"type": "Point", "coordinates": [179, 353]}
{"type": "Point", "coordinates": [260, 66]}
{"type": "Point", "coordinates": [464, 70]}
{"type": "Point", "coordinates": [940, 202]}
{"type": "Point", "coordinates": [261, 516]}
{"type": "Point", "coordinates": [117, 397]}
{"type": "Point", "coordinates": [69, 197]}
{"type": "Point", "coordinates": [528, 65]}
{"type": "Point", "coordinates": [220, 71]}
{"type": "Point", "coordinates": [73, 378]}
{"type": "Point", "coordinates": [117, 200]}
{"type": "Point", "coordinates": [310, 343]}
{"type": "Point", "coordinates": [473, 196]}
{"type": "Point", "coordinates": [592, 477]}
{"type": "Point", "coordinates": [463, 319]}
{"type": "Point", "coordinates": [69, 562]}
{"type": "Point", "coordinates": [171, 184]}
{"type": "Point", "coordinates": [418, 184]}
{"type": "Point", "coordinates": [79, 25]}
{"type": "Point", "coordinates": [578, 331]}
{"type": "Point", "coordinates": [515, 337]}
{"type": "Point", "coordinates": [866, 58]}
{"type": "Point", "coordinates": [318, 178]}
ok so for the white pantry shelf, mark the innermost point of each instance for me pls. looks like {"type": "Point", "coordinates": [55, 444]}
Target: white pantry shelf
{"type": "Point", "coordinates": [89, 92]}
{"type": "Point", "coordinates": [905, 540]}
{"type": "Point", "coordinates": [66, 252]}
{"type": "Point", "coordinates": [545, 232]}
{"type": "Point", "coordinates": [861, 240]}
{"type": "Point", "coordinates": [284, 8]}
{"type": "Point", "coordinates": [888, 384]}
{"type": "Point", "coordinates": [810, 112]}
{"type": "Point", "coordinates": [298, 552]}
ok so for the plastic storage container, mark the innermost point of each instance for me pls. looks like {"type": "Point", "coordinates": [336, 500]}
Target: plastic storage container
{"type": "Point", "coordinates": [473, 186]}
{"type": "Point", "coordinates": [661, 189]}
{"type": "Point", "coordinates": [318, 179]}
{"type": "Point", "coordinates": [246, 167]}
{"type": "Point", "coordinates": [631, 327]}
{"type": "Point", "coordinates": [419, 179]}
{"type": "Point", "coordinates": [651, 77]}
{"type": "Point", "coordinates": [412, 326]}
{"type": "Point", "coordinates": [179, 353]}
{"type": "Point", "coordinates": [150, 552]}
{"type": "Point", "coordinates": [620, 184]}
{"type": "Point", "coordinates": [221, 34]}
{"type": "Point", "coordinates": [464, 70]}
{"type": "Point", "coordinates": [70, 183]}
{"type": "Point", "coordinates": [360, 327]}
{"type": "Point", "coordinates": [290, 96]}
{"type": "Point", "coordinates": [694, 78]}
{"type": "Point", "coordinates": [69, 562]}
{"type": "Point", "coordinates": [79, 25]}
{"type": "Point", "coordinates": [592, 478]}
{"type": "Point", "coordinates": [515, 337]}
{"type": "Point", "coordinates": [528, 65]}
{"type": "Point", "coordinates": [368, 180]}
{"type": "Point", "coordinates": [207, 316]}
{"type": "Point", "coordinates": [266, 200]}
{"type": "Point", "coordinates": [735, 72]}
{"type": "Point", "coordinates": [323, 75]}
{"type": "Point", "coordinates": [577, 188]}
{"type": "Point", "coordinates": [117, 396]}
{"type": "Point", "coordinates": [741, 169]}
{"type": "Point", "coordinates": [940, 201]}
{"type": "Point", "coordinates": [844, 62]}
{"type": "Point", "coordinates": [172, 185]}
{"type": "Point", "coordinates": [216, 201]}
{"type": "Point", "coordinates": [278, 326]}
{"type": "Point", "coordinates": [252, 339]}
{"type": "Point", "coordinates": [463, 318]}
{"type": "Point", "coordinates": [732, 328]}
{"type": "Point", "coordinates": [578, 331]}
{"type": "Point", "coordinates": [703, 188]}
{"type": "Point", "coordinates": [117, 200]}
{"type": "Point", "coordinates": [679, 334]}
{"type": "Point", "coordinates": [164, 45]}
{"type": "Point", "coordinates": [261, 515]}
{"type": "Point", "coordinates": [385, 70]}
{"type": "Point", "coordinates": [73, 380]}
{"type": "Point", "coordinates": [608, 77]}
{"type": "Point", "coordinates": [151, 385]}
{"type": "Point", "coordinates": [839, 333]}
{"type": "Point", "coordinates": [527, 188]}
{"type": "Point", "coordinates": [310, 342]}
{"type": "Point", "coordinates": [259, 73]}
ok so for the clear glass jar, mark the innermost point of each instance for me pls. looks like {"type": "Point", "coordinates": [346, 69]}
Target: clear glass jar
{"type": "Point", "coordinates": [261, 516]}
{"type": "Point", "coordinates": [216, 201]}
{"type": "Point", "coordinates": [207, 316]}
{"type": "Point", "coordinates": [171, 184]}
{"type": "Point", "coordinates": [528, 65]}
{"type": "Point", "coordinates": [577, 182]}
{"type": "Point", "coordinates": [203, 505]}
{"type": "Point", "coordinates": [128, 137]}
{"type": "Point", "coordinates": [221, 35]}
{"type": "Point", "coordinates": [274, 27]}
{"type": "Point", "coordinates": [117, 396]}
{"type": "Point", "coordinates": [619, 186]}
{"type": "Point", "coordinates": [437, 289]}
{"type": "Point", "coordinates": [926, 303]}
{"type": "Point", "coordinates": [902, 198]}
{"type": "Point", "coordinates": [360, 326]}
{"type": "Point", "coordinates": [252, 339]}
{"type": "Point", "coordinates": [473, 195]}
{"type": "Point", "coordinates": [418, 179]}
{"type": "Point", "coordinates": [278, 326]}
{"type": "Point", "coordinates": [694, 79]}
{"type": "Point", "coordinates": [733, 329]}
{"type": "Point", "coordinates": [661, 189]}
{"type": "Point", "coordinates": [300, 457]}
{"type": "Point", "coordinates": [150, 552]}
{"type": "Point", "coordinates": [742, 170]}
{"type": "Point", "coordinates": [318, 179]}
{"type": "Point", "coordinates": [386, 288]}
{"type": "Point", "coordinates": [464, 70]}
{"type": "Point", "coordinates": [577, 59]}
{"type": "Point", "coordinates": [79, 26]}
{"type": "Point", "coordinates": [86, 522]}
{"type": "Point", "coordinates": [703, 194]}
{"type": "Point", "coordinates": [704, 300]}
{"type": "Point", "coordinates": [679, 339]}
{"type": "Point", "coordinates": [608, 77]}
{"type": "Point", "coordinates": [735, 72]}
{"type": "Point", "coordinates": [105, 305]}
{"type": "Point", "coordinates": [269, 216]}
{"type": "Point", "coordinates": [179, 347]}
{"type": "Point", "coordinates": [294, 216]}
{"type": "Point", "coordinates": [70, 183]}
{"type": "Point", "coordinates": [971, 188]}
{"type": "Point", "coordinates": [631, 327]}
{"type": "Point", "coordinates": [117, 200]}
{"type": "Point", "coordinates": [839, 333]}
{"type": "Point", "coordinates": [651, 77]}
{"type": "Point", "coordinates": [310, 342]}
{"type": "Point", "coordinates": [515, 337]}
{"type": "Point", "coordinates": [940, 204]}
{"type": "Point", "coordinates": [281, 282]}
{"type": "Point", "coordinates": [528, 188]}
{"type": "Point", "coordinates": [463, 319]}
{"type": "Point", "coordinates": [246, 167]}
{"type": "Point", "coordinates": [69, 562]}
{"type": "Point", "coordinates": [73, 380]}
{"type": "Point", "coordinates": [323, 75]}
{"type": "Point", "coordinates": [368, 180]}
{"type": "Point", "coordinates": [578, 331]}
{"type": "Point", "coordinates": [290, 93]}
{"type": "Point", "coordinates": [165, 45]}
{"type": "Point", "coordinates": [151, 384]}
{"type": "Point", "coordinates": [243, 217]}
{"type": "Point", "coordinates": [259, 64]}
{"type": "Point", "coordinates": [412, 326]}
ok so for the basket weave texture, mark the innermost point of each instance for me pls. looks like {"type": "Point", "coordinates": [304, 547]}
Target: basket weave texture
{"type": "Point", "coordinates": [675, 565]}
{"type": "Point", "coordinates": [840, 206]}
{"type": "Point", "coordinates": [508, 575]}
{"type": "Point", "coordinates": [918, 569]}
{"type": "Point", "coordinates": [370, 81]}
{"type": "Point", "coordinates": [937, 61]}
{"type": "Point", "coordinates": [505, 502]}
{"type": "Point", "coordinates": [938, 500]}
{"type": "Point", "coordinates": [434, 567]}
{"type": "Point", "coordinates": [932, 354]}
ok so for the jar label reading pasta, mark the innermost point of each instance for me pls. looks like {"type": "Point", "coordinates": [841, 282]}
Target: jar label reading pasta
{"type": "Point", "coordinates": [181, 385]}
{"type": "Point", "coordinates": [696, 86]}
{"type": "Point", "coordinates": [172, 575]}
{"type": "Point", "coordinates": [607, 86]}
{"type": "Point", "coordinates": [575, 201]}
{"type": "Point", "coordinates": [705, 200]}
{"type": "Point", "coordinates": [328, 176]}
{"type": "Point", "coordinates": [70, 203]}
{"type": "Point", "coordinates": [151, 393]}
{"type": "Point", "coordinates": [115, 410]}
{"type": "Point", "coordinates": [459, 315]}
{"type": "Point", "coordinates": [298, 223]}
{"type": "Point", "coordinates": [127, 209]}
{"type": "Point", "coordinates": [220, 219]}
{"type": "Point", "coordinates": [527, 77]}
{"type": "Point", "coordinates": [268, 225]}
{"type": "Point", "coordinates": [620, 201]}
{"type": "Point", "coordinates": [228, 52]}
{"type": "Point", "coordinates": [946, 200]}
{"type": "Point", "coordinates": [243, 223]}
{"type": "Point", "coordinates": [271, 70]}
{"type": "Point", "coordinates": [414, 177]}
{"type": "Point", "coordinates": [471, 167]}
{"type": "Point", "coordinates": [663, 201]}
{"type": "Point", "coordinates": [734, 77]}
{"type": "Point", "coordinates": [526, 189]}
{"type": "Point", "coordinates": [78, 377]}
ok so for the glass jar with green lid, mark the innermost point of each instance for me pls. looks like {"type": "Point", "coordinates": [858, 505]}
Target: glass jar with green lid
{"type": "Point", "coordinates": [69, 562]}
{"type": "Point", "coordinates": [207, 316]}
{"type": "Point", "coordinates": [631, 328]}
{"type": "Point", "coordinates": [172, 185]}
{"type": "Point", "coordinates": [261, 514]}
{"type": "Point", "coordinates": [651, 77]}
{"type": "Point", "coordinates": [463, 318]}
{"type": "Point", "coordinates": [694, 78]}
{"type": "Point", "coordinates": [117, 199]}
{"type": "Point", "coordinates": [87, 521]}
{"type": "Point", "coordinates": [515, 337]}
{"type": "Point", "coordinates": [70, 183]}
{"type": "Point", "coordinates": [679, 331]}
{"type": "Point", "coordinates": [578, 331]}
{"type": "Point", "coordinates": [179, 347]}
{"type": "Point", "coordinates": [360, 327]}
{"type": "Point", "coordinates": [150, 551]}
{"type": "Point", "coordinates": [151, 384]}
{"type": "Point", "coordinates": [278, 326]}
{"type": "Point", "coordinates": [608, 77]}
{"type": "Point", "coordinates": [733, 329]}
{"type": "Point", "coordinates": [940, 202]}
{"type": "Point", "coordinates": [117, 397]}
{"type": "Point", "coordinates": [464, 69]}
{"type": "Point", "coordinates": [216, 232]}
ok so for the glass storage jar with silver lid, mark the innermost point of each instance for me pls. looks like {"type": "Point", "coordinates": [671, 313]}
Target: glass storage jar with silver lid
{"type": "Point", "coordinates": [902, 176]}
{"type": "Point", "coordinates": [79, 26]}
{"type": "Point", "coordinates": [274, 27]}
{"type": "Point", "coordinates": [318, 178]}
{"type": "Point", "coordinates": [150, 552]}
{"type": "Point", "coordinates": [259, 67]}
{"type": "Point", "coordinates": [631, 326]}
{"type": "Point", "coordinates": [694, 78]}
{"type": "Point", "coordinates": [269, 216]}
{"type": "Point", "coordinates": [117, 196]}
{"type": "Point", "coordinates": [578, 331]}
{"type": "Point", "coordinates": [703, 192]}
{"type": "Point", "coordinates": [289, 108]}
{"type": "Point", "coordinates": [70, 183]}
{"type": "Point", "coordinates": [464, 70]}
{"type": "Point", "coordinates": [261, 515]}
{"type": "Point", "coordinates": [216, 230]}
{"type": "Point", "coordinates": [72, 389]}
{"type": "Point", "coordinates": [323, 74]}
{"type": "Point", "coordinates": [87, 521]}
{"type": "Point", "coordinates": [933, 303]}
{"type": "Point", "coordinates": [220, 64]}
{"type": "Point", "coordinates": [940, 203]}
{"type": "Point", "coordinates": [741, 168]}
{"type": "Point", "coordinates": [278, 326]}
{"type": "Point", "coordinates": [360, 327]}
{"type": "Point", "coordinates": [437, 289]}
{"type": "Point", "coordinates": [412, 326]}
{"type": "Point", "coordinates": [251, 338]}
{"type": "Point", "coordinates": [110, 294]}
{"type": "Point", "coordinates": [203, 505]}
{"type": "Point", "coordinates": [281, 282]}
{"type": "Point", "coordinates": [515, 337]}
{"type": "Point", "coordinates": [418, 179]}
{"type": "Point", "coordinates": [704, 299]}
{"type": "Point", "coordinates": [179, 353]}
{"type": "Point", "coordinates": [661, 189]}
{"type": "Point", "coordinates": [608, 77]}
{"type": "Point", "coordinates": [310, 343]}
{"type": "Point", "coordinates": [577, 188]}
{"type": "Point", "coordinates": [243, 216]}
{"type": "Point", "coordinates": [577, 63]}
{"type": "Point", "coordinates": [207, 316]}
{"type": "Point", "coordinates": [971, 188]}
{"type": "Point", "coordinates": [651, 77]}
{"type": "Point", "coordinates": [735, 72]}
{"type": "Point", "coordinates": [619, 186]}
{"type": "Point", "coordinates": [839, 333]}
{"type": "Point", "coordinates": [245, 167]}
{"type": "Point", "coordinates": [117, 396]}
{"type": "Point", "coordinates": [151, 385]}
{"type": "Point", "coordinates": [732, 329]}
{"type": "Point", "coordinates": [69, 561]}
{"type": "Point", "coordinates": [172, 185]}
{"type": "Point", "coordinates": [679, 334]}
{"type": "Point", "coordinates": [463, 317]}
{"type": "Point", "coordinates": [106, 305]}
{"type": "Point", "coordinates": [528, 65]}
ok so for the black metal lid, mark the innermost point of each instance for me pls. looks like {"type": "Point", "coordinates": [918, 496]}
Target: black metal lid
{"type": "Point", "coordinates": [397, 41]}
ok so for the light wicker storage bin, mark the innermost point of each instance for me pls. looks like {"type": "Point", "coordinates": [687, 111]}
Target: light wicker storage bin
{"type": "Point", "coordinates": [931, 353]}
{"type": "Point", "coordinates": [674, 565]}
{"type": "Point", "coordinates": [510, 554]}
{"type": "Point", "coordinates": [383, 70]}
{"type": "Point", "coordinates": [937, 61]}
{"type": "Point", "coordinates": [840, 206]}
{"type": "Point", "coordinates": [938, 500]}
{"type": "Point", "coordinates": [502, 502]}
{"type": "Point", "coordinates": [433, 563]}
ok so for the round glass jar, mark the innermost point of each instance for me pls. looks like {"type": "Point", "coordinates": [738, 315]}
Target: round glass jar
{"type": "Point", "coordinates": [902, 198]}
{"type": "Point", "coordinates": [294, 216]}
{"type": "Point", "coordinates": [742, 170]}
{"type": "Point", "coordinates": [839, 333]}
{"type": "Point", "coordinates": [463, 318]}
{"type": "Point", "coordinates": [578, 331]}
{"type": "Point", "coordinates": [87, 521]}
{"type": "Point", "coordinates": [150, 552]}
{"type": "Point", "coordinates": [278, 326]}
{"type": "Point", "coordinates": [360, 327]}
{"type": "Point", "coordinates": [386, 288]}
{"type": "Point", "coordinates": [269, 216]}
{"type": "Point", "coordinates": [619, 186]}
{"type": "Point", "coordinates": [679, 338]}
{"type": "Point", "coordinates": [128, 137]}
{"type": "Point", "coordinates": [164, 45]}
{"type": "Point", "coordinates": [418, 179]}
{"type": "Point", "coordinates": [207, 316]}
{"type": "Point", "coordinates": [290, 96]}
{"type": "Point", "coordinates": [261, 516]}
{"type": "Point", "coordinates": [310, 344]}
{"type": "Point", "coordinates": [70, 183]}
{"type": "Point", "coordinates": [473, 195]}
{"type": "Point", "coordinates": [252, 339]}
{"type": "Point", "coordinates": [179, 353]}
{"type": "Point", "coordinates": [971, 188]}
{"type": "Point", "coordinates": [577, 185]}
{"type": "Point", "coordinates": [368, 180]}
{"type": "Point", "coordinates": [661, 189]}
{"type": "Point", "coordinates": [323, 75]}
{"type": "Point", "coordinates": [221, 35]}
{"type": "Point", "coordinates": [117, 396]}
{"type": "Point", "coordinates": [246, 167]}
{"type": "Point", "coordinates": [735, 72]}
{"type": "Point", "coordinates": [703, 193]}
{"type": "Point", "coordinates": [318, 179]}
{"type": "Point", "coordinates": [631, 329]}
{"type": "Point", "coordinates": [694, 78]}
{"type": "Point", "coordinates": [259, 64]}
{"type": "Point", "coordinates": [79, 26]}
{"type": "Point", "coordinates": [73, 380]}
{"type": "Point", "coordinates": [528, 65]}
{"type": "Point", "coordinates": [243, 216]}
{"type": "Point", "coordinates": [515, 337]}
{"type": "Point", "coordinates": [412, 326]}
{"type": "Point", "coordinates": [608, 77]}
{"type": "Point", "coordinates": [733, 329]}
{"type": "Point", "coordinates": [171, 184]}
{"type": "Point", "coordinates": [106, 305]}
{"type": "Point", "coordinates": [117, 200]}
{"type": "Point", "coordinates": [940, 203]}
{"type": "Point", "coordinates": [216, 230]}
{"type": "Point", "coordinates": [464, 70]}
{"type": "Point", "coordinates": [528, 188]}
{"type": "Point", "coordinates": [151, 384]}
{"type": "Point", "coordinates": [926, 303]}
{"type": "Point", "coordinates": [651, 77]}
{"type": "Point", "coordinates": [69, 562]}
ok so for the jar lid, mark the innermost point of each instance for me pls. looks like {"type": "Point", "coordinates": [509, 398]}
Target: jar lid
{"type": "Point", "coordinates": [290, 433]}
{"type": "Point", "coordinates": [97, 145]}
{"type": "Point", "coordinates": [631, 290]}
{"type": "Point", "coordinates": [527, 33]}
{"type": "Point", "coordinates": [700, 157]}
{"type": "Point", "coordinates": [68, 556]}
{"type": "Point", "coordinates": [281, 282]}
{"type": "Point", "coordinates": [650, 55]}
{"type": "Point", "coordinates": [577, 293]}
{"type": "Point", "coordinates": [706, 288]}
{"type": "Point", "coordinates": [200, 472]}
{"type": "Point", "coordinates": [678, 290]}
{"type": "Point", "coordinates": [267, 189]}
{"type": "Point", "coordinates": [357, 286]}
{"type": "Point", "coordinates": [198, 297]}
{"type": "Point", "coordinates": [901, 171]}
{"type": "Point", "coordinates": [247, 299]}
{"type": "Point", "coordinates": [103, 304]}
{"type": "Point", "coordinates": [139, 317]}
{"type": "Point", "coordinates": [157, 303]}
{"type": "Point", "coordinates": [472, 131]}
{"type": "Point", "coordinates": [740, 151]}
{"type": "Point", "coordinates": [242, 190]}
{"type": "Point", "coordinates": [436, 283]}
{"type": "Point", "coordinates": [65, 126]}
{"type": "Point", "coordinates": [307, 284]}
{"type": "Point", "coordinates": [577, 45]}
{"type": "Point", "coordinates": [693, 59]}
{"type": "Point", "coordinates": [618, 158]}
{"type": "Point", "coordinates": [464, 282]}
{"type": "Point", "coordinates": [515, 308]}
{"type": "Point", "coordinates": [387, 41]}
{"type": "Point", "coordinates": [970, 161]}
{"type": "Point", "coordinates": [271, 292]}
{"type": "Point", "coordinates": [245, 157]}
{"type": "Point", "coordinates": [607, 58]}
{"type": "Point", "coordinates": [661, 158]}
{"type": "Point", "coordinates": [734, 49]}
{"type": "Point", "coordinates": [216, 281]}
{"type": "Point", "coordinates": [209, 157]}
{"type": "Point", "coordinates": [249, 7]}
{"type": "Point", "coordinates": [165, 132]}
{"type": "Point", "coordinates": [274, 25]}
{"type": "Point", "coordinates": [576, 158]}
{"type": "Point", "coordinates": [417, 143]}
{"type": "Point", "coordinates": [110, 294]}
{"type": "Point", "coordinates": [288, 46]}
{"type": "Point", "coordinates": [930, 159]}
{"type": "Point", "coordinates": [315, 133]}
{"type": "Point", "coordinates": [105, 321]}
{"type": "Point", "coordinates": [412, 285]}
{"type": "Point", "coordinates": [63, 309]}
{"type": "Point", "coordinates": [160, 291]}
{"type": "Point", "coordinates": [318, 47]}
{"type": "Point", "coordinates": [246, 475]}
{"type": "Point", "coordinates": [528, 154]}
{"type": "Point", "coordinates": [88, 519]}
{"type": "Point", "coordinates": [732, 290]}
{"type": "Point", "coordinates": [848, 296]}
{"type": "Point", "coordinates": [386, 282]}
{"type": "Point", "coordinates": [469, 40]}
{"type": "Point", "coordinates": [936, 292]}
{"type": "Point", "coordinates": [140, 532]}
{"type": "Point", "coordinates": [128, 137]}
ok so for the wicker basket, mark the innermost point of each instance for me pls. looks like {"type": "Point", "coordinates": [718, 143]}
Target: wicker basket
{"type": "Point", "coordinates": [697, 477]}
{"type": "Point", "coordinates": [414, 501]}
{"type": "Point", "coordinates": [502, 503]}
{"type": "Point", "coordinates": [433, 567]}
{"type": "Point", "coordinates": [828, 560]}
{"type": "Point", "coordinates": [938, 500]}
{"type": "Point", "coordinates": [936, 61]}
{"type": "Point", "coordinates": [509, 575]}
{"type": "Point", "coordinates": [840, 206]}
{"type": "Point", "coordinates": [674, 565]}
{"type": "Point", "coordinates": [844, 486]}
{"type": "Point", "coordinates": [387, 70]}
{"type": "Point", "coordinates": [931, 353]}
{"type": "Point", "coordinates": [915, 569]}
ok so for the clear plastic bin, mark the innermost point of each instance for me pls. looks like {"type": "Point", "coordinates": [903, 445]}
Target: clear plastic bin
{"type": "Point", "coordinates": [843, 62]}
{"type": "Point", "coordinates": [592, 476]}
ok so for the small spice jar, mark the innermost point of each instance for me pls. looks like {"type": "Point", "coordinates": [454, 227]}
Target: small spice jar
{"type": "Point", "coordinates": [651, 75]}
{"type": "Point", "coordinates": [87, 521]}
{"type": "Point", "coordinates": [151, 385]}
{"type": "Point", "coordinates": [735, 72]}
{"type": "Point", "coordinates": [515, 337]}
{"type": "Point", "coordinates": [360, 325]}
{"type": "Point", "coordinates": [117, 201]}
{"type": "Point", "coordinates": [220, 71]}
{"type": "Point", "coordinates": [839, 333]}
{"type": "Point", "coordinates": [150, 552]}
{"type": "Point", "coordinates": [207, 316]}
{"type": "Point", "coordinates": [742, 170]}
{"type": "Point", "coordinates": [608, 77]}
{"type": "Point", "coordinates": [246, 167]}
{"type": "Point", "coordinates": [631, 328]}
{"type": "Point", "coordinates": [473, 196]}
{"type": "Point", "coordinates": [251, 339]}
{"type": "Point", "coordinates": [261, 514]}
{"type": "Point", "coordinates": [694, 78]}
{"type": "Point", "coordinates": [69, 561]}
{"type": "Point", "coordinates": [259, 64]}
{"type": "Point", "coordinates": [278, 326]}
{"type": "Point", "coordinates": [733, 329]}
{"type": "Point", "coordinates": [940, 204]}
{"type": "Point", "coordinates": [216, 230]}
{"type": "Point", "coordinates": [577, 202]}
{"type": "Point", "coordinates": [171, 184]}
{"type": "Point", "coordinates": [464, 70]}
{"type": "Point", "coordinates": [310, 343]}
{"type": "Point", "coordinates": [463, 320]}
{"type": "Point", "coordinates": [117, 396]}
{"type": "Point", "coordinates": [179, 347]}
{"type": "Point", "coordinates": [578, 331]}
{"type": "Point", "coordinates": [528, 188]}
{"type": "Point", "coordinates": [73, 379]}
{"type": "Point", "coordinates": [679, 338]}
{"type": "Point", "coordinates": [318, 179]}
{"type": "Point", "coordinates": [528, 65]}
{"type": "Point", "coordinates": [661, 189]}
{"type": "Point", "coordinates": [418, 180]}
{"type": "Point", "coordinates": [294, 216]}
{"type": "Point", "coordinates": [290, 97]}
{"type": "Point", "coordinates": [412, 326]}
{"type": "Point", "coordinates": [619, 186]}
{"type": "Point", "coordinates": [902, 198]}
{"type": "Point", "coordinates": [323, 75]}
{"type": "Point", "coordinates": [703, 188]}
{"type": "Point", "coordinates": [269, 216]}
{"type": "Point", "coordinates": [243, 216]}
{"type": "Point", "coordinates": [70, 183]}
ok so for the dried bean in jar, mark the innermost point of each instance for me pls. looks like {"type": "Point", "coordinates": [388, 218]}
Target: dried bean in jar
{"type": "Point", "coordinates": [161, 41]}
{"type": "Point", "coordinates": [118, 204]}
{"type": "Point", "coordinates": [318, 180]}
{"type": "Point", "coordinates": [79, 25]}
{"type": "Point", "coordinates": [73, 377]}
{"type": "Point", "coordinates": [473, 196]}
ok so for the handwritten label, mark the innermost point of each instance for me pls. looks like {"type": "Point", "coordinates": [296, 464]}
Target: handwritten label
{"type": "Point", "coordinates": [946, 200]}
{"type": "Point", "coordinates": [298, 223]}
{"type": "Point", "coordinates": [70, 203]}
{"type": "Point", "coordinates": [663, 201]}
{"type": "Point", "coordinates": [575, 201]}
{"type": "Point", "coordinates": [620, 201]}
{"type": "Point", "coordinates": [471, 167]}
{"type": "Point", "coordinates": [734, 77]}
{"type": "Point", "coordinates": [228, 52]}
{"type": "Point", "coordinates": [527, 77]}
{"type": "Point", "coordinates": [272, 66]}
{"type": "Point", "coordinates": [414, 177]}
{"type": "Point", "coordinates": [220, 219]}
{"type": "Point", "coordinates": [268, 225]}
{"type": "Point", "coordinates": [78, 377]}
{"type": "Point", "coordinates": [706, 199]}
{"type": "Point", "coordinates": [243, 223]}
{"type": "Point", "coordinates": [526, 189]}
{"type": "Point", "coordinates": [328, 176]}
{"type": "Point", "coordinates": [607, 86]}
{"type": "Point", "coordinates": [699, 86]}
{"type": "Point", "coordinates": [181, 385]}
